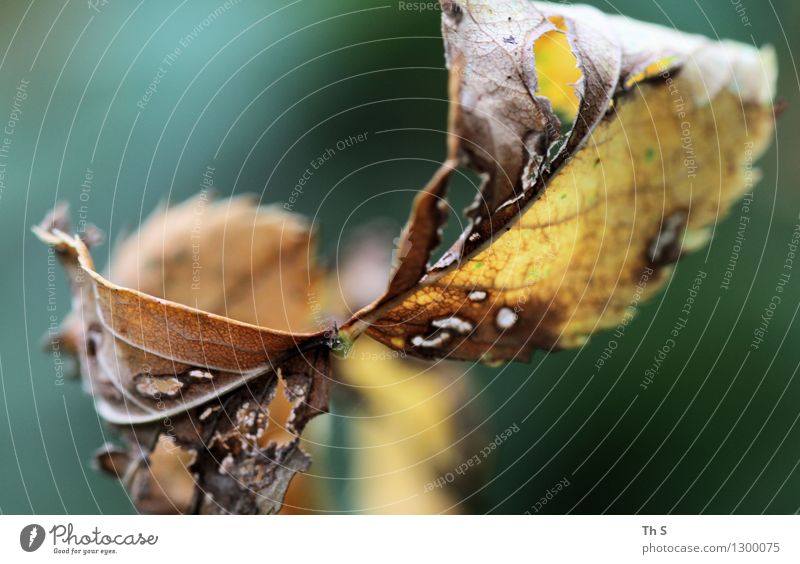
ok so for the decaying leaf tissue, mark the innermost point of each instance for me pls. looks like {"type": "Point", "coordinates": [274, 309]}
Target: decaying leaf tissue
{"type": "Point", "coordinates": [608, 148]}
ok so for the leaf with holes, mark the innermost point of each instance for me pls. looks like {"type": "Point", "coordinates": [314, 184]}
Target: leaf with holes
{"type": "Point", "coordinates": [195, 385]}
{"type": "Point", "coordinates": [608, 149]}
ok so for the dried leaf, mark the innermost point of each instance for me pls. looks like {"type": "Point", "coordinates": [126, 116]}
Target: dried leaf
{"type": "Point", "coordinates": [195, 386]}
{"type": "Point", "coordinates": [149, 358]}
{"type": "Point", "coordinates": [664, 129]}
{"type": "Point", "coordinates": [230, 257]}
{"type": "Point", "coordinates": [607, 148]}
{"type": "Point", "coordinates": [243, 469]}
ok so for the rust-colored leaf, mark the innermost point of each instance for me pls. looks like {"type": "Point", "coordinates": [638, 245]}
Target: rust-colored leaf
{"type": "Point", "coordinates": [196, 387]}
{"type": "Point", "coordinates": [147, 357]}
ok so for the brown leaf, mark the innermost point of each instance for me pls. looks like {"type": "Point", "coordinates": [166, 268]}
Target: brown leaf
{"type": "Point", "coordinates": [112, 460]}
{"type": "Point", "coordinates": [198, 387]}
{"type": "Point", "coordinates": [230, 257]}
{"type": "Point", "coordinates": [241, 468]}
{"type": "Point", "coordinates": [149, 357]}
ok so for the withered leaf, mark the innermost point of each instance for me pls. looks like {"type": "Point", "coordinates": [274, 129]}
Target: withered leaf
{"type": "Point", "coordinates": [246, 464]}
{"type": "Point", "coordinates": [235, 454]}
{"type": "Point", "coordinates": [662, 126]}
{"type": "Point", "coordinates": [197, 387]}
{"type": "Point", "coordinates": [230, 257]}
{"type": "Point", "coordinates": [147, 357]}
{"type": "Point", "coordinates": [607, 147]}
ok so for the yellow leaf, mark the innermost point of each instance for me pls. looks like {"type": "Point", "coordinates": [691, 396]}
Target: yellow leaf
{"type": "Point", "coordinates": [567, 237]}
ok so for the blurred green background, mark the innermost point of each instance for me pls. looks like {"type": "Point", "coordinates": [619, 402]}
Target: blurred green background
{"type": "Point", "coordinates": [268, 86]}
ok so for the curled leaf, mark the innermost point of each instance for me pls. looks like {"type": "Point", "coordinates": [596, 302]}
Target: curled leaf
{"type": "Point", "coordinates": [663, 126]}
{"type": "Point", "coordinates": [608, 148]}
{"type": "Point", "coordinates": [148, 357]}
{"type": "Point", "coordinates": [196, 381]}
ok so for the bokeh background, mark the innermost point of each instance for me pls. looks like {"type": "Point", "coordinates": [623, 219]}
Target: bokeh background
{"type": "Point", "coordinates": [269, 86]}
